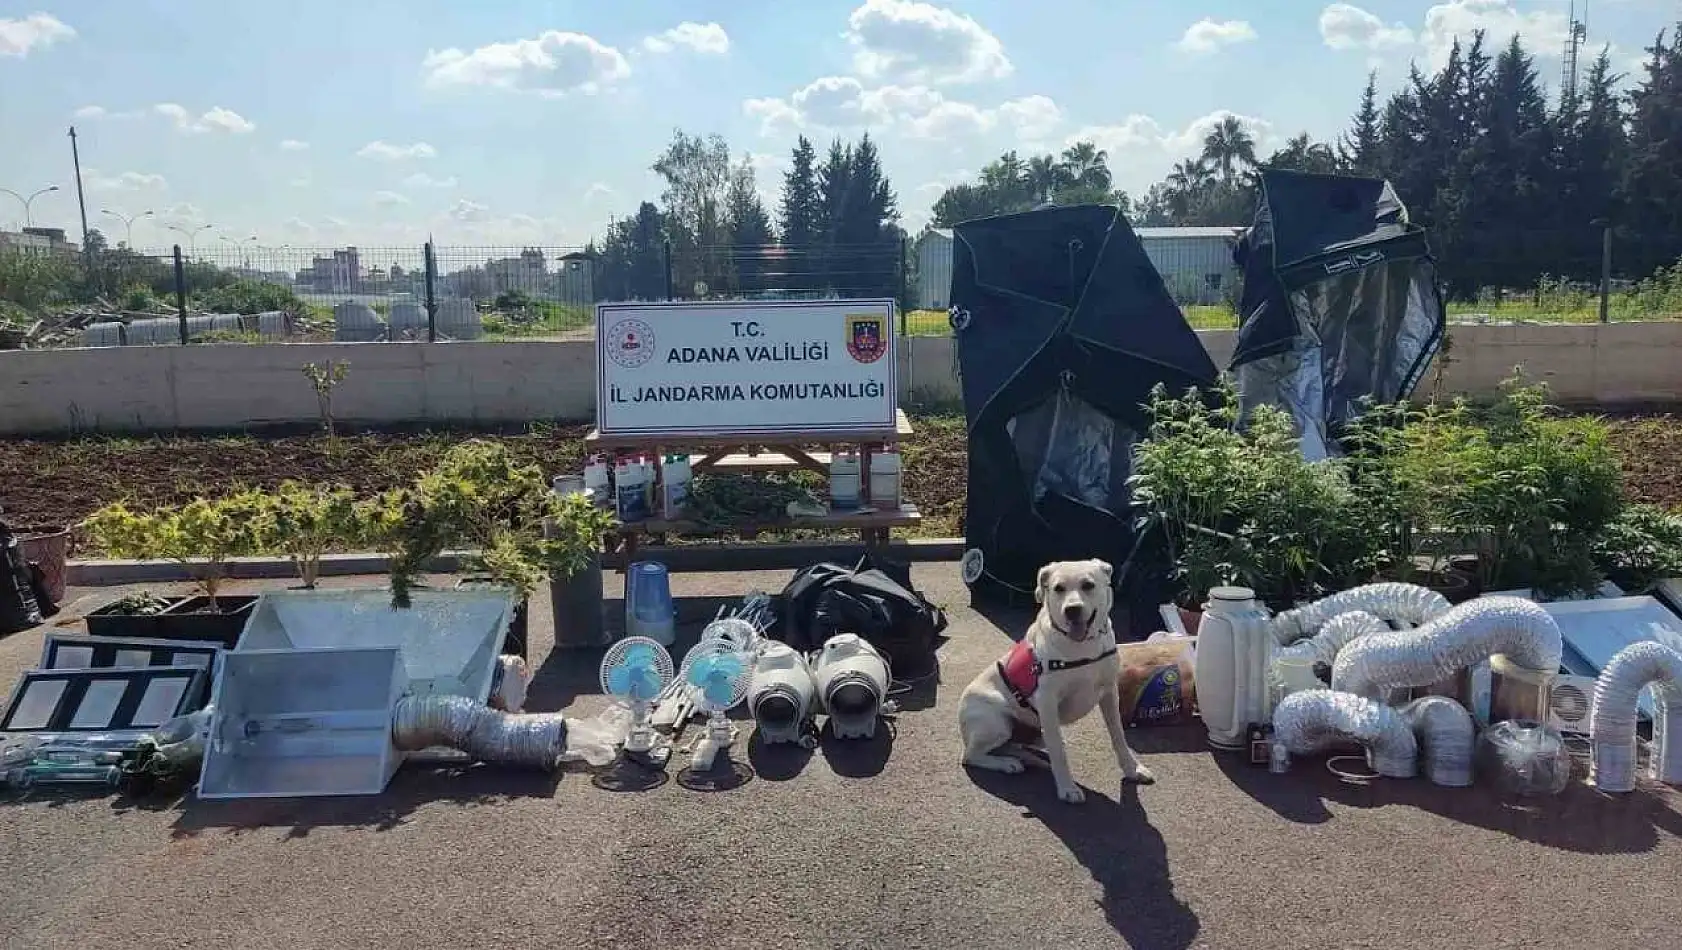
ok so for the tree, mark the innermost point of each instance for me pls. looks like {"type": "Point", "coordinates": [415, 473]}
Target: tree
{"type": "Point", "coordinates": [1229, 148]}
{"type": "Point", "coordinates": [1303, 154]}
{"type": "Point", "coordinates": [1085, 165]}
{"type": "Point", "coordinates": [801, 211]}
{"type": "Point", "coordinates": [1010, 184]}
{"type": "Point", "coordinates": [1652, 183]}
{"type": "Point", "coordinates": [835, 177]}
{"type": "Point", "coordinates": [750, 228]}
{"type": "Point", "coordinates": [697, 175]}
{"type": "Point", "coordinates": [866, 244]}
{"type": "Point", "coordinates": [1358, 152]}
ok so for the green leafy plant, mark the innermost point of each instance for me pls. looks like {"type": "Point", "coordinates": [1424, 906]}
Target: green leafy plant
{"type": "Point", "coordinates": [307, 521]}
{"type": "Point", "coordinates": [141, 604]}
{"type": "Point", "coordinates": [1641, 547]}
{"type": "Point", "coordinates": [325, 377]}
{"type": "Point", "coordinates": [202, 535]}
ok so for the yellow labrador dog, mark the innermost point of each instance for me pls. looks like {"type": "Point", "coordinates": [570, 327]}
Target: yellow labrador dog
{"type": "Point", "coordinates": [1065, 665]}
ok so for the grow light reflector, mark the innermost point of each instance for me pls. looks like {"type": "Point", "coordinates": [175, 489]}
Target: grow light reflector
{"type": "Point", "coordinates": [101, 700]}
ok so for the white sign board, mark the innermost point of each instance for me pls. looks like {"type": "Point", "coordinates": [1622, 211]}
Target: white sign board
{"type": "Point", "coordinates": [745, 367]}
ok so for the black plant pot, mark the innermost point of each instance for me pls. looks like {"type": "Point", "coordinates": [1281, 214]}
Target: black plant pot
{"type": "Point", "coordinates": [110, 621]}
{"type": "Point", "coordinates": [191, 619]}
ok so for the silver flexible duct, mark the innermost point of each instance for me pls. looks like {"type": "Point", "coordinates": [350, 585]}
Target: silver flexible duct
{"type": "Point", "coordinates": [1334, 635]}
{"type": "Point", "coordinates": [1444, 731]}
{"type": "Point", "coordinates": [1463, 637]}
{"type": "Point", "coordinates": [1313, 719]}
{"type": "Point", "coordinates": [1612, 721]}
{"type": "Point", "coordinates": [1389, 601]}
{"type": "Point", "coordinates": [531, 739]}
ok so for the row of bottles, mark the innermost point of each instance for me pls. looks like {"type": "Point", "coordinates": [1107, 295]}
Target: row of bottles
{"type": "Point", "coordinates": [637, 488]}
{"type": "Point", "coordinates": [845, 481]}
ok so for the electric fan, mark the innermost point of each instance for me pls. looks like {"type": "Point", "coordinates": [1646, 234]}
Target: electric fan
{"type": "Point", "coordinates": [635, 671]}
{"type": "Point", "coordinates": [781, 696]}
{"type": "Point", "coordinates": [717, 675]}
{"type": "Point", "coordinates": [853, 681]}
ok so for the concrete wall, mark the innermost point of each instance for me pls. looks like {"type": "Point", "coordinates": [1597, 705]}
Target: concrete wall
{"type": "Point", "coordinates": [234, 385]}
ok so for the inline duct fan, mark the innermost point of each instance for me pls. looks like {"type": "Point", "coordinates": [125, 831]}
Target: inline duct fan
{"type": "Point", "coordinates": [852, 679]}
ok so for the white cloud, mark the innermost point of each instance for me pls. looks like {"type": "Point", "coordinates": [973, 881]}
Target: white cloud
{"type": "Point", "coordinates": [842, 102]}
{"type": "Point", "coordinates": [1142, 152]}
{"type": "Point", "coordinates": [551, 64]}
{"type": "Point", "coordinates": [423, 180]}
{"type": "Point", "coordinates": [707, 38]}
{"type": "Point", "coordinates": [389, 199]}
{"type": "Point", "coordinates": [95, 180]}
{"type": "Point", "coordinates": [905, 40]}
{"type": "Point", "coordinates": [90, 112]}
{"type": "Point", "coordinates": [1208, 35]}
{"type": "Point", "coordinates": [293, 145]}
{"type": "Point", "coordinates": [387, 152]}
{"type": "Point", "coordinates": [598, 192]}
{"type": "Point", "coordinates": [468, 212]}
{"type": "Point", "coordinates": [1544, 31]}
{"type": "Point", "coordinates": [186, 215]}
{"type": "Point", "coordinates": [217, 119]}
{"type": "Point", "coordinates": [1346, 27]}
{"type": "Point", "coordinates": [302, 181]}
{"type": "Point", "coordinates": [35, 31]}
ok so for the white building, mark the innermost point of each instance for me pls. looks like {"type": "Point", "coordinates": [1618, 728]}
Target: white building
{"type": "Point", "coordinates": [1195, 264]}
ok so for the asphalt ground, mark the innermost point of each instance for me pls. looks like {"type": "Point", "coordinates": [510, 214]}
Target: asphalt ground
{"type": "Point", "coordinates": [870, 844]}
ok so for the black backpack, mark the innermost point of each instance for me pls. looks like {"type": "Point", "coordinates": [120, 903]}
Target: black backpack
{"type": "Point", "coordinates": [19, 609]}
{"type": "Point", "coordinates": [873, 599]}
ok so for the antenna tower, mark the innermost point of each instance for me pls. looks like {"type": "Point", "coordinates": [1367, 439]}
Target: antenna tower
{"type": "Point", "coordinates": [1575, 35]}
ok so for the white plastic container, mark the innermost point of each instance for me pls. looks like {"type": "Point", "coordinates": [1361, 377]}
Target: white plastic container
{"type": "Point", "coordinates": [596, 480]}
{"type": "Point", "coordinates": [844, 481]}
{"type": "Point", "coordinates": [674, 486]}
{"type": "Point", "coordinates": [629, 497]}
{"type": "Point", "coordinates": [884, 481]}
{"type": "Point", "coordinates": [1233, 646]}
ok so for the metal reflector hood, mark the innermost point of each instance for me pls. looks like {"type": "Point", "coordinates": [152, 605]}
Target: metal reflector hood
{"type": "Point", "coordinates": [449, 639]}
{"type": "Point", "coordinates": [1063, 326]}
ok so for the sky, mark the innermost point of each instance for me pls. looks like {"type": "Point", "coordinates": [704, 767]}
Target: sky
{"type": "Point", "coordinates": [518, 122]}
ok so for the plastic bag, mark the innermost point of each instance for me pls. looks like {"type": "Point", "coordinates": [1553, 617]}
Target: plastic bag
{"type": "Point", "coordinates": [596, 741]}
{"type": "Point", "coordinates": [1157, 685]}
{"type": "Point", "coordinates": [1523, 758]}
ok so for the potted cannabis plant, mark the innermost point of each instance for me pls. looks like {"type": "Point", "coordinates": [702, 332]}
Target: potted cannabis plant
{"type": "Point", "coordinates": [203, 536]}
{"type": "Point", "coordinates": [308, 521]}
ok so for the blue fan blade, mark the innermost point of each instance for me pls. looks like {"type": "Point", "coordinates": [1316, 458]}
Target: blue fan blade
{"type": "Point", "coordinates": [718, 690]}
{"type": "Point", "coordinates": [619, 680]}
{"type": "Point", "coordinates": [639, 654]}
{"type": "Point", "coordinates": [645, 683]}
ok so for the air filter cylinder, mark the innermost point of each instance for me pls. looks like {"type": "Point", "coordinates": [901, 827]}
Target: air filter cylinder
{"type": "Point", "coordinates": [852, 679]}
{"type": "Point", "coordinates": [781, 694]}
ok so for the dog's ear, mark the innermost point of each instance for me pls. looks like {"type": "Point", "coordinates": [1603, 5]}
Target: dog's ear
{"type": "Point", "coordinates": [1039, 584]}
{"type": "Point", "coordinates": [1109, 571]}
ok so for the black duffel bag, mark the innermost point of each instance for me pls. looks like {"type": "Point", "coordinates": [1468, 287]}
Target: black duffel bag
{"type": "Point", "coordinates": [873, 599]}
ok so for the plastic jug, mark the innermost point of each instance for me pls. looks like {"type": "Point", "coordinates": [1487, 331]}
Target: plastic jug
{"type": "Point", "coordinates": [844, 481]}
{"type": "Point", "coordinates": [884, 481]}
{"type": "Point", "coordinates": [674, 486]}
{"type": "Point", "coordinates": [648, 602]}
{"type": "Point", "coordinates": [596, 479]}
{"type": "Point", "coordinates": [630, 501]}
{"type": "Point", "coordinates": [1234, 645]}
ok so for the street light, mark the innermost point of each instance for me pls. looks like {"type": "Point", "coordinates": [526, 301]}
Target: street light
{"type": "Point", "coordinates": [28, 221]}
{"type": "Point", "coordinates": [192, 235]}
{"type": "Point", "coordinates": [246, 261]}
{"type": "Point", "coordinates": [128, 224]}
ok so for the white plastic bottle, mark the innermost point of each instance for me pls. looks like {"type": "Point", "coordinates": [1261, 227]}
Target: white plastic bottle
{"type": "Point", "coordinates": [674, 486]}
{"type": "Point", "coordinates": [628, 496]}
{"type": "Point", "coordinates": [596, 479]}
{"type": "Point", "coordinates": [1233, 643]}
{"type": "Point", "coordinates": [844, 481]}
{"type": "Point", "coordinates": [884, 481]}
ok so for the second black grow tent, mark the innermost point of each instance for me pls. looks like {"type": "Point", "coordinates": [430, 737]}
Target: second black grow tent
{"type": "Point", "coordinates": [1340, 302]}
{"type": "Point", "coordinates": [1063, 326]}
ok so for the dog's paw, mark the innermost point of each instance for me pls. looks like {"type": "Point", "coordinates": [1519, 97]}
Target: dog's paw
{"type": "Point", "coordinates": [1140, 776]}
{"type": "Point", "coordinates": [1072, 794]}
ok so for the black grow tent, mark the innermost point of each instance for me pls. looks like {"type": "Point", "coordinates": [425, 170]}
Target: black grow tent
{"type": "Point", "coordinates": [1340, 302]}
{"type": "Point", "coordinates": [1063, 326]}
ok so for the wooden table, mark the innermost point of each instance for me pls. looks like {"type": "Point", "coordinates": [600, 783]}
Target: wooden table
{"type": "Point", "coordinates": [733, 453]}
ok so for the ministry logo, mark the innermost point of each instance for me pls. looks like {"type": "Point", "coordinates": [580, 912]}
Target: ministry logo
{"type": "Point", "coordinates": [630, 343]}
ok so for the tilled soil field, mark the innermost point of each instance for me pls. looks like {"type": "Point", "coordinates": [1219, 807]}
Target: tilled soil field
{"type": "Point", "coordinates": [44, 482]}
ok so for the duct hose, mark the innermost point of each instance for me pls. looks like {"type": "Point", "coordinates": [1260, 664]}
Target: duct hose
{"type": "Point", "coordinates": [1612, 721]}
{"type": "Point", "coordinates": [531, 739]}
{"type": "Point", "coordinates": [1334, 635]}
{"type": "Point", "coordinates": [1444, 731]}
{"type": "Point", "coordinates": [1389, 601]}
{"type": "Point", "coordinates": [1462, 637]}
{"type": "Point", "coordinates": [1313, 719]}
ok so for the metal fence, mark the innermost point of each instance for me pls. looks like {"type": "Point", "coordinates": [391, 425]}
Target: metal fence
{"type": "Point", "coordinates": [550, 291]}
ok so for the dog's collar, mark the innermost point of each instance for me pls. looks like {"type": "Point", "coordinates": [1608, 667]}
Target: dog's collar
{"type": "Point", "coordinates": [1054, 665]}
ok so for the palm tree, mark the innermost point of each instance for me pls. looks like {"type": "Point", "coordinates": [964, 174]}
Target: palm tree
{"type": "Point", "coordinates": [1044, 177]}
{"type": "Point", "coordinates": [1229, 147]}
{"type": "Point", "coordinates": [1187, 184]}
{"type": "Point", "coordinates": [1087, 166]}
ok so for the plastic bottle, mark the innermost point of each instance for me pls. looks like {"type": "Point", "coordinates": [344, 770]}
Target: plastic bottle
{"type": "Point", "coordinates": [596, 480]}
{"type": "Point", "coordinates": [674, 486]}
{"type": "Point", "coordinates": [884, 481]}
{"type": "Point", "coordinates": [628, 491]}
{"type": "Point", "coordinates": [844, 481]}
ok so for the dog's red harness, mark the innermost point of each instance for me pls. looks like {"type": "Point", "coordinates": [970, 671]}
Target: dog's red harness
{"type": "Point", "coordinates": [1021, 670]}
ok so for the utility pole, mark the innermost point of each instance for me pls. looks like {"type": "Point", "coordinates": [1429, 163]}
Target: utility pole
{"type": "Point", "coordinates": [81, 201]}
{"type": "Point", "coordinates": [1575, 35]}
